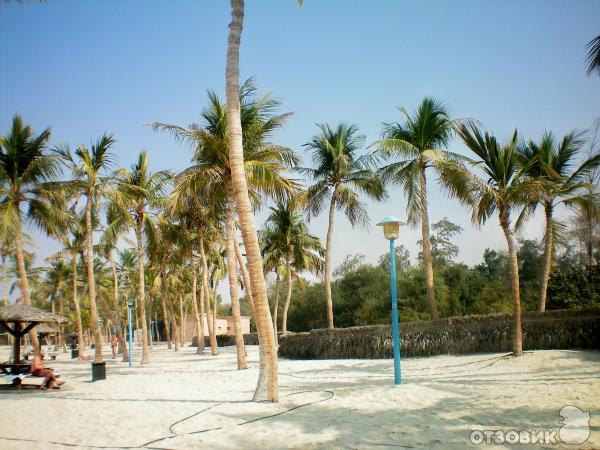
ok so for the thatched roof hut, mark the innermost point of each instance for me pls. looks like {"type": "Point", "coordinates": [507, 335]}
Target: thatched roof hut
{"type": "Point", "coordinates": [47, 328]}
{"type": "Point", "coordinates": [20, 312]}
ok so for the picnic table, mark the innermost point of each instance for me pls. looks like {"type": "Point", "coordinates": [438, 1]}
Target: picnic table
{"type": "Point", "coordinates": [15, 372]}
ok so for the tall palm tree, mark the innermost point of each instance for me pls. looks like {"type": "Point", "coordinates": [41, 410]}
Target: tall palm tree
{"type": "Point", "coordinates": [264, 164]}
{"type": "Point", "coordinates": [26, 174]}
{"type": "Point", "coordinates": [419, 143]}
{"type": "Point", "coordinates": [113, 231]}
{"type": "Point", "coordinates": [287, 235]}
{"type": "Point", "coordinates": [340, 174]}
{"type": "Point", "coordinates": [90, 167]}
{"type": "Point", "coordinates": [57, 280]}
{"type": "Point", "coordinates": [506, 187]}
{"type": "Point", "coordinates": [552, 162]}
{"type": "Point", "coordinates": [593, 55]}
{"type": "Point", "coordinates": [142, 192]}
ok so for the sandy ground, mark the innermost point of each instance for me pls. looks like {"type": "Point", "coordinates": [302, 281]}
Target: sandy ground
{"type": "Point", "coordinates": [184, 400]}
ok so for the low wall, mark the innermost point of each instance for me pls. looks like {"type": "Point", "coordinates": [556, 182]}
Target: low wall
{"type": "Point", "coordinates": [559, 329]}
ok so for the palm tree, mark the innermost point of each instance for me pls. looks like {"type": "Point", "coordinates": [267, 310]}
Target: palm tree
{"type": "Point", "coordinates": [552, 162]}
{"type": "Point", "coordinates": [505, 188]}
{"type": "Point", "coordinates": [273, 261]}
{"type": "Point", "coordinates": [57, 280]}
{"type": "Point", "coordinates": [26, 172]}
{"type": "Point", "coordinates": [141, 191]}
{"type": "Point", "coordinates": [264, 164]}
{"type": "Point", "coordinates": [339, 174]}
{"type": "Point", "coordinates": [89, 167]}
{"type": "Point", "coordinates": [419, 142]}
{"type": "Point", "coordinates": [593, 55]}
{"type": "Point", "coordinates": [287, 235]}
{"type": "Point", "coordinates": [112, 233]}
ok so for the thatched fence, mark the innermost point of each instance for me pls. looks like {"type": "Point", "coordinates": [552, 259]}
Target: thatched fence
{"type": "Point", "coordinates": [558, 329]}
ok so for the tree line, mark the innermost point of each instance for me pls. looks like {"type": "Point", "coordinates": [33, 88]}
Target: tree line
{"type": "Point", "coordinates": [185, 225]}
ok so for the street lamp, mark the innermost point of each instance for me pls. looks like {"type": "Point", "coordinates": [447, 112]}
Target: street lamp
{"type": "Point", "coordinates": [130, 305]}
{"type": "Point", "coordinates": [391, 228]}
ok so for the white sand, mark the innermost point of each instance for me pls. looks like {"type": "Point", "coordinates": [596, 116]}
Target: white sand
{"type": "Point", "coordinates": [442, 400]}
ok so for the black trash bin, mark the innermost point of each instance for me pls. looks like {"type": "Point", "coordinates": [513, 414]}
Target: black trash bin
{"type": "Point", "coordinates": [74, 353]}
{"type": "Point", "coordinates": [98, 371]}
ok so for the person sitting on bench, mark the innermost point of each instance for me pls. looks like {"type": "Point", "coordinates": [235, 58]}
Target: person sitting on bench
{"type": "Point", "coordinates": [38, 370]}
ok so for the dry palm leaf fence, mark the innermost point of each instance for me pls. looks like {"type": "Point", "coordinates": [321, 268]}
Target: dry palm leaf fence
{"type": "Point", "coordinates": [559, 329]}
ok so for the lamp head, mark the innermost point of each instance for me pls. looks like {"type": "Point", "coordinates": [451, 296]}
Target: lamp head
{"type": "Point", "coordinates": [130, 303]}
{"type": "Point", "coordinates": [391, 227]}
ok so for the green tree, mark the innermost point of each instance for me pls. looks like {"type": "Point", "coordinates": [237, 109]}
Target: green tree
{"type": "Point", "coordinates": [301, 251]}
{"type": "Point", "coordinates": [142, 192]}
{"type": "Point", "coordinates": [504, 188]}
{"type": "Point", "coordinates": [419, 143]}
{"type": "Point", "coordinates": [27, 193]}
{"type": "Point", "coordinates": [340, 173]}
{"type": "Point", "coordinates": [552, 162]}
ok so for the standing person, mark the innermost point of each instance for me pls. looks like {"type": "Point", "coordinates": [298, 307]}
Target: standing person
{"type": "Point", "coordinates": [113, 345]}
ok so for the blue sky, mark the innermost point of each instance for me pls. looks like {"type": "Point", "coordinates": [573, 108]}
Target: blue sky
{"type": "Point", "coordinates": [86, 67]}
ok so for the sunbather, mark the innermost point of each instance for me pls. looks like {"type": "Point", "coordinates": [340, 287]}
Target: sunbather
{"type": "Point", "coordinates": [50, 379]}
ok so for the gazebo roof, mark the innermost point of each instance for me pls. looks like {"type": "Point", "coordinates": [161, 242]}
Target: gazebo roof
{"type": "Point", "coordinates": [47, 328]}
{"type": "Point", "coordinates": [20, 312]}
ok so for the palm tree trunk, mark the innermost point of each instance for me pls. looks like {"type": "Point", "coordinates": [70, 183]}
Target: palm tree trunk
{"type": "Point", "coordinates": [287, 300]}
{"type": "Point", "coordinates": [80, 341]}
{"type": "Point", "coordinates": [547, 257]}
{"type": "Point", "coordinates": [175, 326]}
{"type": "Point", "coordinates": [61, 335]}
{"type": "Point", "coordinates": [233, 282]}
{"type": "Point", "coordinates": [517, 337]}
{"type": "Point", "coordinates": [427, 259]}
{"type": "Point", "coordinates": [164, 293]}
{"type": "Point", "coordinates": [199, 325]}
{"type": "Point", "coordinates": [182, 320]}
{"type": "Point", "coordinates": [5, 290]}
{"type": "Point", "coordinates": [267, 386]}
{"type": "Point", "coordinates": [200, 296]}
{"type": "Point", "coordinates": [141, 289]}
{"type": "Point", "coordinates": [276, 307]}
{"type": "Point", "coordinates": [215, 308]}
{"type": "Point", "coordinates": [23, 282]}
{"type": "Point", "coordinates": [211, 329]}
{"type": "Point", "coordinates": [245, 277]}
{"type": "Point", "coordinates": [328, 243]}
{"type": "Point", "coordinates": [117, 308]}
{"type": "Point", "coordinates": [92, 281]}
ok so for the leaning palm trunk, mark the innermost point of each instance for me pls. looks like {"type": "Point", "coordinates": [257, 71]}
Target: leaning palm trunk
{"type": "Point", "coordinates": [547, 258]}
{"type": "Point", "coordinates": [427, 259]}
{"type": "Point", "coordinates": [141, 291]}
{"type": "Point", "coordinates": [175, 326]}
{"type": "Point", "coordinates": [117, 309]}
{"type": "Point", "coordinates": [199, 324]}
{"type": "Point", "coordinates": [233, 282]}
{"type": "Point", "coordinates": [23, 282]}
{"type": "Point", "coordinates": [517, 337]}
{"type": "Point", "coordinates": [211, 329]}
{"type": "Point", "coordinates": [267, 387]}
{"type": "Point", "coordinates": [276, 306]}
{"type": "Point", "coordinates": [245, 277]}
{"type": "Point", "coordinates": [92, 282]}
{"type": "Point", "coordinates": [328, 243]}
{"type": "Point", "coordinates": [287, 300]}
{"type": "Point", "coordinates": [77, 307]}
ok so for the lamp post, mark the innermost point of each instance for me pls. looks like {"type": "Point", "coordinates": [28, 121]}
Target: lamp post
{"type": "Point", "coordinates": [130, 304]}
{"type": "Point", "coordinates": [391, 228]}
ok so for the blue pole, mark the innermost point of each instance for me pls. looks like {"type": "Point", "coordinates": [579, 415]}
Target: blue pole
{"type": "Point", "coordinates": [395, 327]}
{"type": "Point", "coordinates": [152, 332]}
{"type": "Point", "coordinates": [130, 331]}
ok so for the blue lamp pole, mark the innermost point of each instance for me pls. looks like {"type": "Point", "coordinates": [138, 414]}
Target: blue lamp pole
{"type": "Point", "coordinates": [130, 304]}
{"type": "Point", "coordinates": [391, 227]}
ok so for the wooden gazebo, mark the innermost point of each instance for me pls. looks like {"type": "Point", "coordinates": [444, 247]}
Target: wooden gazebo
{"type": "Point", "coordinates": [24, 318]}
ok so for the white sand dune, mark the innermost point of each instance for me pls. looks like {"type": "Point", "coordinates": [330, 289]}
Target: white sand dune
{"type": "Point", "coordinates": [183, 400]}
